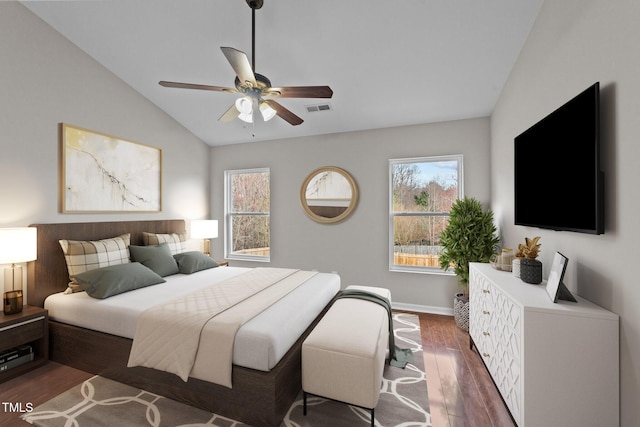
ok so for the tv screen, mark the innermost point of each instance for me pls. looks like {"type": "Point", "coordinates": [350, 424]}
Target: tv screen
{"type": "Point", "coordinates": [558, 182]}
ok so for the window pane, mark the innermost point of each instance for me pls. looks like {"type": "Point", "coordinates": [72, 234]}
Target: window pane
{"type": "Point", "coordinates": [250, 235]}
{"type": "Point", "coordinates": [416, 240]}
{"type": "Point", "coordinates": [250, 192]}
{"type": "Point", "coordinates": [425, 186]}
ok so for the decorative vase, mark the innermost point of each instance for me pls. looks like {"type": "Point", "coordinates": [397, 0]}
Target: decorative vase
{"type": "Point", "coordinates": [515, 267]}
{"type": "Point", "coordinates": [531, 271]}
{"type": "Point", "coordinates": [461, 311]}
{"type": "Point", "coordinates": [506, 259]}
{"type": "Point", "coordinates": [503, 260]}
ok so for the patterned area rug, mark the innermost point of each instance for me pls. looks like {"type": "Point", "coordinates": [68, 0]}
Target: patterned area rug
{"type": "Point", "coordinates": [103, 402]}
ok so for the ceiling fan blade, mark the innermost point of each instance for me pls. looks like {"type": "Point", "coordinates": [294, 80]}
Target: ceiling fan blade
{"type": "Point", "coordinates": [284, 113]}
{"type": "Point", "coordinates": [300, 92]}
{"type": "Point", "coordinates": [197, 86]}
{"type": "Point", "coordinates": [230, 114]}
{"type": "Point", "coordinates": [240, 64]}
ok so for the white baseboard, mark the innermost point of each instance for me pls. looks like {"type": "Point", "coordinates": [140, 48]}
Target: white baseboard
{"type": "Point", "coordinates": [422, 308]}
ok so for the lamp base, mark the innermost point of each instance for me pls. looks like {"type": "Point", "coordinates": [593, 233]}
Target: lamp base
{"type": "Point", "coordinates": [12, 302]}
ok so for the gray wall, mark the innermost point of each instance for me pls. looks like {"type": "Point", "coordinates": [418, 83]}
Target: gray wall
{"type": "Point", "coordinates": [45, 80]}
{"type": "Point", "coordinates": [356, 248]}
{"type": "Point", "coordinates": [573, 44]}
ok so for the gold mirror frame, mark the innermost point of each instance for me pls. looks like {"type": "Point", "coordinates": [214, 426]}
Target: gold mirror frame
{"type": "Point", "coordinates": [340, 201]}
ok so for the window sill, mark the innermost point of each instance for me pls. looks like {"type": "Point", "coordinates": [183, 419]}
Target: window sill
{"type": "Point", "coordinates": [420, 270]}
{"type": "Point", "coordinates": [248, 258]}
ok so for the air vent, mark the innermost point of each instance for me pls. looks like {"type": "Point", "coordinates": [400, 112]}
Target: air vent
{"type": "Point", "coordinates": [318, 107]}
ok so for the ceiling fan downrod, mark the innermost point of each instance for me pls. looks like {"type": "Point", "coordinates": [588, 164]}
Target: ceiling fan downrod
{"type": "Point", "coordinates": [254, 4]}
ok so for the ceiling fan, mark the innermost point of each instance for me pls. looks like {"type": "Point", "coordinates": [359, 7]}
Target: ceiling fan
{"type": "Point", "coordinates": [256, 88]}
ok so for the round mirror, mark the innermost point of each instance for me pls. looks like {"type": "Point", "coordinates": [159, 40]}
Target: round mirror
{"type": "Point", "coordinates": [329, 194]}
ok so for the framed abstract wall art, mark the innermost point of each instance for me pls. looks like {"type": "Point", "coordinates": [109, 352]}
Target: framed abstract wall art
{"type": "Point", "coordinates": [104, 173]}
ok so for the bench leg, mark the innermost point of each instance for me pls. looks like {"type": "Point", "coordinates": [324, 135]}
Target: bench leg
{"type": "Point", "coordinates": [304, 405]}
{"type": "Point", "coordinates": [373, 417]}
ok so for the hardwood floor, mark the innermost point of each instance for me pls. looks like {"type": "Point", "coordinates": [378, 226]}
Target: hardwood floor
{"type": "Point", "coordinates": [460, 390]}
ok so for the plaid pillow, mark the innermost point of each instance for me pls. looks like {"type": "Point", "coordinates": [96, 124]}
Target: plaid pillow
{"type": "Point", "coordinates": [82, 255]}
{"type": "Point", "coordinates": [177, 241]}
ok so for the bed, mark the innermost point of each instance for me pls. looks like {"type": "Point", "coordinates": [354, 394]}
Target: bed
{"type": "Point", "coordinates": [264, 387]}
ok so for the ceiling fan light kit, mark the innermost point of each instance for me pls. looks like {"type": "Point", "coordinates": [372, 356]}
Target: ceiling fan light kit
{"type": "Point", "coordinates": [255, 87]}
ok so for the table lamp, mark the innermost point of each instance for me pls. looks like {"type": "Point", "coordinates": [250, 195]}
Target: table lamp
{"type": "Point", "coordinates": [17, 245]}
{"type": "Point", "coordinates": [204, 229]}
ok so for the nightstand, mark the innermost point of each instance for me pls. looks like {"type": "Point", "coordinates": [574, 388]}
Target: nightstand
{"type": "Point", "coordinates": [30, 326]}
{"type": "Point", "coordinates": [223, 263]}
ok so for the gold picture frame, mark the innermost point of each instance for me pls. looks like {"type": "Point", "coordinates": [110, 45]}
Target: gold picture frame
{"type": "Point", "coordinates": [101, 173]}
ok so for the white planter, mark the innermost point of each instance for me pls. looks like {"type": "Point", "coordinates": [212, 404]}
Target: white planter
{"type": "Point", "coordinates": [515, 267]}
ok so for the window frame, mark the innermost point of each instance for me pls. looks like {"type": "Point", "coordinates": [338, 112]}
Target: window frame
{"type": "Point", "coordinates": [392, 214]}
{"type": "Point", "coordinates": [228, 216]}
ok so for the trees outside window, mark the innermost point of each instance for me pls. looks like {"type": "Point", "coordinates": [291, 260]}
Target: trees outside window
{"type": "Point", "coordinates": [422, 191]}
{"type": "Point", "coordinates": [247, 214]}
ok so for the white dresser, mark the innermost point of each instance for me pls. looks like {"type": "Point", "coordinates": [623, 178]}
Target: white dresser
{"type": "Point", "coordinates": [554, 364]}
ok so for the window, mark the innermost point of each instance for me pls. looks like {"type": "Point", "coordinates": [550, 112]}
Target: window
{"type": "Point", "coordinates": [422, 191]}
{"type": "Point", "coordinates": [247, 214]}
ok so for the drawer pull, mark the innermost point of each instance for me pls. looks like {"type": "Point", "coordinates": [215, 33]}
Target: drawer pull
{"type": "Point", "coordinates": [486, 355]}
{"type": "Point", "coordinates": [485, 312]}
{"type": "Point", "coordinates": [486, 291]}
{"type": "Point", "coordinates": [486, 334]}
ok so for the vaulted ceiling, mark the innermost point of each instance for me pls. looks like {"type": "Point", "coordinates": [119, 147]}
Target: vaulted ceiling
{"type": "Point", "coordinates": [389, 63]}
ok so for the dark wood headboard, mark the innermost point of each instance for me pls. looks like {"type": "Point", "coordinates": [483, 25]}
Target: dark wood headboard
{"type": "Point", "coordinates": [49, 274]}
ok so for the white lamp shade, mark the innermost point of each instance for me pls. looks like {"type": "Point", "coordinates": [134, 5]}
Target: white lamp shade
{"type": "Point", "coordinates": [245, 106]}
{"type": "Point", "coordinates": [268, 113]}
{"type": "Point", "coordinates": [18, 245]}
{"type": "Point", "coordinates": [246, 117]}
{"type": "Point", "coordinates": [204, 229]}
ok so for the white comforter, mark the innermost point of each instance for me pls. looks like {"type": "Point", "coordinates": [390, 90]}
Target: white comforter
{"type": "Point", "coordinates": [168, 336]}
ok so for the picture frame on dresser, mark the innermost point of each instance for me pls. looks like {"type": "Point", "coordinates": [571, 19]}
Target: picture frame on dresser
{"type": "Point", "coordinates": [556, 289]}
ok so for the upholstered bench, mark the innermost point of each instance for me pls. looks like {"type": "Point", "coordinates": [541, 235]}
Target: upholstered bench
{"type": "Point", "coordinates": [344, 356]}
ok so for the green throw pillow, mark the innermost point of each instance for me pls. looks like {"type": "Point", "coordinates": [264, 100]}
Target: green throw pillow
{"type": "Point", "coordinates": [116, 279]}
{"type": "Point", "coordinates": [190, 262]}
{"type": "Point", "coordinates": [158, 258]}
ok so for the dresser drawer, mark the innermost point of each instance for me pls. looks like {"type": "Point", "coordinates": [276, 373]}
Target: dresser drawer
{"type": "Point", "coordinates": [481, 311]}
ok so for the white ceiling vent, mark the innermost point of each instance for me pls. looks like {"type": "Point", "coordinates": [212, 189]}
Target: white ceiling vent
{"type": "Point", "coordinates": [318, 107]}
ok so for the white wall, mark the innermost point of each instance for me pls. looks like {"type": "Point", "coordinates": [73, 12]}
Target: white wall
{"type": "Point", "coordinates": [573, 44]}
{"type": "Point", "coordinates": [45, 80]}
{"type": "Point", "coordinates": [356, 248]}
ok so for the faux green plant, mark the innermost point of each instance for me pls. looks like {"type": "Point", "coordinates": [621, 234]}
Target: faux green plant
{"type": "Point", "coordinates": [470, 236]}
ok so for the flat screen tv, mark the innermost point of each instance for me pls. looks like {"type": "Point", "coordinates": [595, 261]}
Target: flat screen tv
{"type": "Point", "coordinates": [558, 181]}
